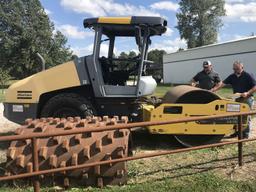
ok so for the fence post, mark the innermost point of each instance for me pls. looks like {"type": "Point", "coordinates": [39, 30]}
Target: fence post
{"type": "Point", "coordinates": [240, 145]}
{"type": "Point", "coordinates": [36, 183]}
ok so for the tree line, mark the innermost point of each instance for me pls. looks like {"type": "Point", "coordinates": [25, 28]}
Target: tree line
{"type": "Point", "coordinates": [25, 30]}
{"type": "Point", "coordinates": [155, 55]}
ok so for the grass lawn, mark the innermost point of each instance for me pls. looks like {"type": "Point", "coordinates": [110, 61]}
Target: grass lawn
{"type": "Point", "coordinates": [198, 183]}
{"type": "Point", "coordinates": [207, 170]}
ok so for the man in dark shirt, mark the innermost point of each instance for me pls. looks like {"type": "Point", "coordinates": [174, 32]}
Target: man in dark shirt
{"type": "Point", "coordinates": [207, 78]}
{"type": "Point", "coordinates": [243, 84]}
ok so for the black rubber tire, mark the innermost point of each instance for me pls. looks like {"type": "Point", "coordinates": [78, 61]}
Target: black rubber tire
{"type": "Point", "coordinates": [68, 105]}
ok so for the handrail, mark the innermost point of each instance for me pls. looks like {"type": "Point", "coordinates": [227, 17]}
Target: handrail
{"type": "Point", "coordinates": [34, 136]}
{"type": "Point", "coordinates": [118, 126]}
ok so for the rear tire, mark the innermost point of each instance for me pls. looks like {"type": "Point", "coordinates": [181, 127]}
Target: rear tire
{"type": "Point", "coordinates": [68, 105]}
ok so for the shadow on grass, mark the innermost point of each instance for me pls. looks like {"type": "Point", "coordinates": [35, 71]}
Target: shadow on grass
{"type": "Point", "coordinates": [146, 141]}
{"type": "Point", "coordinates": [205, 166]}
{"type": "Point", "coordinates": [195, 170]}
{"type": "Point", "coordinates": [142, 139]}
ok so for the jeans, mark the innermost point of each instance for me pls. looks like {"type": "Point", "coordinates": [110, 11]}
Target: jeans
{"type": "Point", "coordinates": [250, 102]}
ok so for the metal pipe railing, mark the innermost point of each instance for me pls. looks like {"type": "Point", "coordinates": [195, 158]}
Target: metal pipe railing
{"type": "Point", "coordinates": [141, 156]}
{"type": "Point", "coordinates": [36, 172]}
{"type": "Point", "coordinates": [118, 126]}
{"type": "Point", "coordinates": [36, 183]}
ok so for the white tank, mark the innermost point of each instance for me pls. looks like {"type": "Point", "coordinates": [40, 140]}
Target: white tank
{"type": "Point", "coordinates": [147, 85]}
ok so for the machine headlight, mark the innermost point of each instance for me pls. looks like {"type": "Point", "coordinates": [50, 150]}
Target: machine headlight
{"type": "Point", "coordinates": [233, 107]}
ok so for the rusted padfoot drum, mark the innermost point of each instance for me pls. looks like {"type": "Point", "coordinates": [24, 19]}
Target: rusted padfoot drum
{"type": "Point", "coordinates": [71, 150]}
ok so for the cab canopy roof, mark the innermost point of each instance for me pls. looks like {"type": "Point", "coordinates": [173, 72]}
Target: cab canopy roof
{"type": "Point", "coordinates": [125, 26]}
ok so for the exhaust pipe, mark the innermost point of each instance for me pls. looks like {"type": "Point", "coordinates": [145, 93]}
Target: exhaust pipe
{"type": "Point", "coordinates": [41, 60]}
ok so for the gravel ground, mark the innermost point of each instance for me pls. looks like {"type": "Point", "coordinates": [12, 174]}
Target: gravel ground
{"type": "Point", "coordinates": [253, 132]}
{"type": "Point", "coordinates": [5, 124]}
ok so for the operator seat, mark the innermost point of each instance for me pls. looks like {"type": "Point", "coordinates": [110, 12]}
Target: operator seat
{"type": "Point", "coordinates": [112, 76]}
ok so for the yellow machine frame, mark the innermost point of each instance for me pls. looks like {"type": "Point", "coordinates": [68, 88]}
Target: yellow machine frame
{"type": "Point", "coordinates": [216, 107]}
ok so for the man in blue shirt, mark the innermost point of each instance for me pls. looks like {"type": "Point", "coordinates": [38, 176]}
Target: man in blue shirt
{"type": "Point", "coordinates": [244, 85]}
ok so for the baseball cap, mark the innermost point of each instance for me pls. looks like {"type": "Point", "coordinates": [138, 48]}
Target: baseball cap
{"type": "Point", "coordinates": [207, 63]}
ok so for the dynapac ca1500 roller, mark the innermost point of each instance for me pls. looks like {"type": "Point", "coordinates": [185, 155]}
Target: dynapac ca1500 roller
{"type": "Point", "coordinates": [97, 85]}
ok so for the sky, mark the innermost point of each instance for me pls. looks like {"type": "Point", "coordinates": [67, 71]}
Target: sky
{"type": "Point", "coordinates": [68, 16]}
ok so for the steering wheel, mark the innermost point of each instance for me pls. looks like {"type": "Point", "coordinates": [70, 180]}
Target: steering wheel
{"type": "Point", "coordinates": [136, 60]}
{"type": "Point", "coordinates": [107, 63]}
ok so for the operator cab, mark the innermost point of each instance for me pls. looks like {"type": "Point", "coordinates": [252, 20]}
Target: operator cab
{"type": "Point", "coordinates": [117, 76]}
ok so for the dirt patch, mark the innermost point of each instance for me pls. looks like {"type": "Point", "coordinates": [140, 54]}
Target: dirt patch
{"type": "Point", "coordinates": [6, 128]}
{"type": "Point", "coordinates": [5, 124]}
{"type": "Point", "coordinates": [253, 131]}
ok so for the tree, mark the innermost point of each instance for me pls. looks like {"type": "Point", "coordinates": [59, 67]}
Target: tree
{"type": "Point", "coordinates": [4, 78]}
{"type": "Point", "coordinates": [58, 52]}
{"type": "Point", "coordinates": [199, 21]}
{"type": "Point", "coordinates": [25, 29]}
{"type": "Point", "coordinates": [126, 64]}
{"type": "Point", "coordinates": [156, 70]}
{"type": "Point", "coordinates": [156, 56]}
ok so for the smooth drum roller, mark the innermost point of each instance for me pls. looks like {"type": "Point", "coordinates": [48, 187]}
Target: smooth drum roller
{"type": "Point", "coordinates": [71, 150]}
{"type": "Point", "coordinates": [189, 94]}
{"type": "Point", "coordinates": [187, 101]}
{"type": "Point", "coordinates": [192, 95]}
